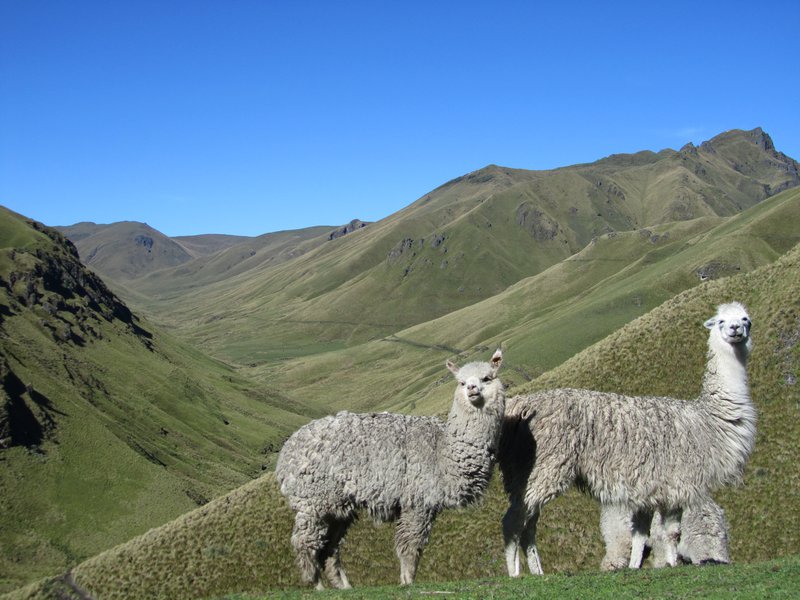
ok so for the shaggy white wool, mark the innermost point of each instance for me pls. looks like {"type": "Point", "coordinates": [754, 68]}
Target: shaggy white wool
{"type": "Point", "coordinates": [646, 453]}
{"type": "Point", "coordinates": [394, 466]}
{"type": "Point", "coordinates": [703, 536]}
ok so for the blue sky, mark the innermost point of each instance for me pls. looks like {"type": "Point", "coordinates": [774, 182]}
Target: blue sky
{"type": "Point", "coordinates": [245, 117]}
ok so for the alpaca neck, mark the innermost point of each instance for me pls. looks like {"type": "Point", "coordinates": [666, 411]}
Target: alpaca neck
{"type": "Point", "coordinates": [725, 381]}
{"type": "Point", "coordinates": [727, 397]}
{"type": "Point", "coordinates": [468, 453]}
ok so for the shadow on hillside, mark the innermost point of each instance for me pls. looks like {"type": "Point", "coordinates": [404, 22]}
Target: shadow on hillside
{"type": "Point", "coordinates": [26, 416]}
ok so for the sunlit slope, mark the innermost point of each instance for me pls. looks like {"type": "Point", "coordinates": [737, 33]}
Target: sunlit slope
{"type": "Point", "coordinates": [208, 243]}
{"type": "Point", "coordinates": [245, 255]}
{"type": "Point", "coordinates": [107, 426]}
{"type": "Point", "coordinates": [465, 241]}
{"type": "Point", "coordinates": [241, 542]}
{"type": "Point", "coordinates": [662, 353]}
{"type": "Point", "coordinates": [543, 320]}
{"type": "Point", "coordinates": [125, 250]}
{"type": "Point", "coordinates": [412, 266]}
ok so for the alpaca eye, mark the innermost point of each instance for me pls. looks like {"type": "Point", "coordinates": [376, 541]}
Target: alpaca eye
{"type": "Point", "coordinates": [486, 379]}
{"type": "Point", "coordinates": [462, 383]}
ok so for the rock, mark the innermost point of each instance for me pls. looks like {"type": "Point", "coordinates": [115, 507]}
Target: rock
{"type": "Point", "coordinates": [349, 228]}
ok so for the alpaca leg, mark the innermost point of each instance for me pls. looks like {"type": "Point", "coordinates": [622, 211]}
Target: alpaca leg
{"type": "Point", "coordinates": [411, 535]}
{"type": "Point", "coordinates": [513, 524]}
{"type": "Point", "coordinates": [672, 535]}
{"type": "Point", "coordinates": [615, 525]}
{"type": "Point", "coordinates": [528, 542]}
{"type": "Point", "coordinates": [308, 540]}
{"type": "Point", "coordinates": [658, 538]}
{"type": "Point", "coordinates": [640, 530]}
{"type": "Point", "coordinates": [330, 554]}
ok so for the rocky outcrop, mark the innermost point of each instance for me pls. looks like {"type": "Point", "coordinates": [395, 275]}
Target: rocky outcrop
{"type": "Point", "coordinates": [69, 298]}
{"type": "Point", "coordinates": [349, 228]}
{"type": "Point", "coordinates": [535, 222]}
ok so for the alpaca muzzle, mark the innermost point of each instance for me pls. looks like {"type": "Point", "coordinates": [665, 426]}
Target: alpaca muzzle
{"type": "Point", "coordinates": [736, 332]}
{"type": "Point", "coordinates": [475, 398]}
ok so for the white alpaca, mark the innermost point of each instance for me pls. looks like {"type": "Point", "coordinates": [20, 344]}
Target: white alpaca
{"type": "Point", "coordinates": [395, 466]}
{"type": "Point", "coordinates": [645, 453]}
{"type": "Point", "coordinates": [703, 539]}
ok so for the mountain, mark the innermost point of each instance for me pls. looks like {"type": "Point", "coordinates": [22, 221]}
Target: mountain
{"type": "Point", "coordinates": [464, 242]}
{"type": "Point", "coordinates": [107, 426]}
{"type": "Point", "coordinates": [240, 542]}
{"type": "Point", "coordinates": [129, 250]}
{"type": "Point", "coordinates": [125, 250]}
{"type": "Point", "coordinates": [245, 256]}
{"type": "Point", "coordinates": [545, 319]}
{"type": "Point", "coordinates": [116, 420]}
{"type": "Point", "coordinates": [209, 243]}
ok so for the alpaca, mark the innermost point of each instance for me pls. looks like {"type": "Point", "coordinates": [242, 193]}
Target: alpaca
{"type": "Point", "coordinates": [703, 539]}
{"type": "Point", "coordinates": [399, 467]}
{"type": "Point", "coordinates": [646, 453]}
{"type": "Point", "coordinates": [704, 536]}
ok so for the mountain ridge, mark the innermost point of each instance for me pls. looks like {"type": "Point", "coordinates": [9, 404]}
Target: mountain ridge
{"type": "Point", "coordinates": [133, 429]}
{"type": "Point", "coordinates": [465, 241]}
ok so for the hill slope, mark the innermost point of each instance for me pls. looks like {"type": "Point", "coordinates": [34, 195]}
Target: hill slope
{"type": "Point", "coordinates": [107, 426]}
{"type": "Point", "coordinates": [241, 542]}
{"type": "Point", "coordinates": [125, 250]}
{"type": "Point", "coordinates": [464, 242]}
{"type": "Point", "coordinates": [545, 319]}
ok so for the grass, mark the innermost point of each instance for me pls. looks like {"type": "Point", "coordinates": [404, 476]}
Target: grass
{"type": "Point", "coordinates": [146, 430]}
{"type": "Point", "coordinates": [540, 321]}
{"type": "Point", "coordinates": [107, 427]}
{"type": "Point", "coordinates": [772, 579]}
{"type": "Point", "coordinates": [239, 543]}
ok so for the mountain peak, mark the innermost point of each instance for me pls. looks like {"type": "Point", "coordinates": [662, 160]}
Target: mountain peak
{"type": "Point", "coordinates": [756, 136]}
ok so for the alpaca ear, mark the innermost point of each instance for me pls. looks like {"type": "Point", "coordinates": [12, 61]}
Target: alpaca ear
{"type": "Point", "coordinates": [497, 360]}
{"type": "Point", "coordinates": [710, 323]}
{"type": "Point", "coordinates": [452, 367]}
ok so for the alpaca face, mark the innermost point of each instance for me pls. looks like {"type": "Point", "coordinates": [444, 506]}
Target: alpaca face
{"type": "Point", "coordinates": [732, 322]}
{"type": "Point", "coordinates": [476, 380]}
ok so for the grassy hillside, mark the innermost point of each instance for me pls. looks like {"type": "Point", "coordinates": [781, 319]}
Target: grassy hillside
{"type": "Point", "coordinates": [240, 542]}
{"type": "Point", "coordinates": [246, 255]}
{"type": "Point", "coordinates": [107, 426]}
{"type": "Point", "coordinates": [464, 242]}
{"type": "Point", "coordinates": [125, 250]}
{"type": "Point", "coordinates": [208, 243]}
{"type": "Point", "coordinates": [543, 320]}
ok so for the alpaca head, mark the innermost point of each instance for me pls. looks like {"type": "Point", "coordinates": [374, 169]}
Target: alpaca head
{"type": "Point", "coordinates": [731, 325]}
{"type": "Point", "coordinates": [477, 381]}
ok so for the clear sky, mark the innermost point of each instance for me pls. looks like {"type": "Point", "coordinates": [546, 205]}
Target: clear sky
{"type": "Point", "coordinates": [251, 116]}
